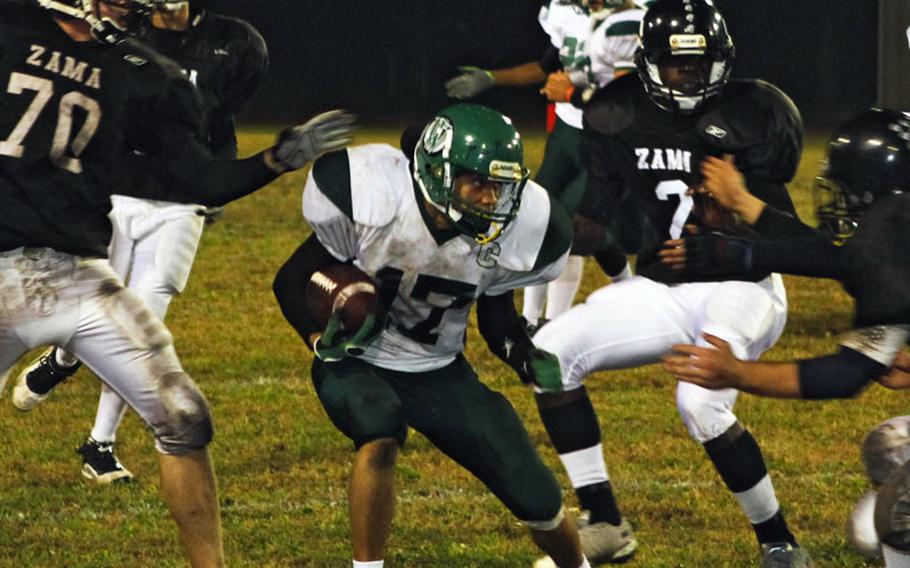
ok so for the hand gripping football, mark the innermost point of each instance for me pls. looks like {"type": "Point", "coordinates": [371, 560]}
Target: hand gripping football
{"type": "Point", "coordinates": [344, 288]}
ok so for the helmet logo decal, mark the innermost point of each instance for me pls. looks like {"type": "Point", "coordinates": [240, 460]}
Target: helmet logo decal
{"type": "Point", "coordinates": [506, 170]}
{"type": "Point", "coordinates": [438, 136]}
{"type": "Point", "coordinates": [688, 41]}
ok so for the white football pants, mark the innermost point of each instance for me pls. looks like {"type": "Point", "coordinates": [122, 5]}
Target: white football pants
{"type": "Point", "coordinates": [636, 321]}
{"type": "Point", "coordinates": [153, 247]}
{"type": "Point", "coordinates": [52, 298]}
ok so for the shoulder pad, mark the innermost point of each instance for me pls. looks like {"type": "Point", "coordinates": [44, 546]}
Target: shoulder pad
{"type": "Point", "coordinates": [612, 109]}
{"type": "Point", "coordinates": [759, 124]}
{"type": "Point", "coordinates": [367, 183]}
{"type": "Point", "coordinates": [540, 234]}
{"type": "Point", "coordinates": [623, 23]}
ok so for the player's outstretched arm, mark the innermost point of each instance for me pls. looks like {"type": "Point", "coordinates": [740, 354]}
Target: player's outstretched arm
{"type": "Point", "coordinates": [840, 375]}
{"type": "Point", "coordinates": [473, 81]}
{"type": "Point", "coordinates": [716, 367]}
{"type": "Point", "coordinates": [183, 170]}
{"type": "Point", "coordinates": [299, 145]}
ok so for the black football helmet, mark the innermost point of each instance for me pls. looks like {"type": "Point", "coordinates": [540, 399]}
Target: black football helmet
{"type": "Point", "coordinates": [868, 157]}
{"type": "Point", "coordinates": [686, 53]}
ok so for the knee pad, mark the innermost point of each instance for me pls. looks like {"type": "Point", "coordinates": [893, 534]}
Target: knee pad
{"type": "Point", "coordinates": [886, 448]}
{"type": "Point", "coordinates": [892, 510]}
{"type": "Point", "coordinates": [707, 414]}
{"type": "Point", "coordinates": [547, 525]}
{"type": "Point", "coordinates": [188, 421]}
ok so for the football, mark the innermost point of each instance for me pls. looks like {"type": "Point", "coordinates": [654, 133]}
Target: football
{"type": "Point", "coordinates": [342, 287]}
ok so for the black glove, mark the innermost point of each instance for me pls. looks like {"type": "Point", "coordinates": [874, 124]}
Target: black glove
{"type": "Point", "coordinates": [717, 255]}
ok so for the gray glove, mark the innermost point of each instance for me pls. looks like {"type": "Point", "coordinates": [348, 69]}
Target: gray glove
{"type": "Point", "coordinates": [326, 132]}
{"type": "Point", "coordinates": [471, 82]}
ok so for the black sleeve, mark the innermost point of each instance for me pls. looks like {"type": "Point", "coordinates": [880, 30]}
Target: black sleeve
{"type": "Point", "coordinates": [842, 375]}
{"type": "Point", "coordinates": [772, 192]}
{"type": "Point", "coordinates": [223, 137]}
{"type": "Point", "coordinates": [596, 216]}
{"type": "Point", "coordinates": [291, 281]}
{"type": "Point", "coordinates": [815, 258]}
{"type": "Point", "coordinates": [502, 328]}
{"type": "Point", "coordinates": [549, 61]}
{"type": "Point", "coordinates": [776, 224]}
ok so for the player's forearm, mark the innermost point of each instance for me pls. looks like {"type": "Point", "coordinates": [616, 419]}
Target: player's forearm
{"type": "Point", "coordinates": [291, 281]}
{"type": "Point", "coordinates": [522, 75]}
{"type": "Point", "coordinates": [777, 380]}
{"type": "Point", "coordinates": [501, 327]}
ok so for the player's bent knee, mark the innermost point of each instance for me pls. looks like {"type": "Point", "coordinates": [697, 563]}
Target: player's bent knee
{"type": "Point", "coordinates": [886, 448]}
{"type": "Point", "coordinates": [892, 510]}
{"type": "Point", "coordinates": [188, 420]}
{"type": "Point", "coordinates": [535, 496]}
{"type": "Point", "coordinates": [382, 420]}
{"type": "Point", "coordinates": [380, 454]}
{"type": "Point", "coordinates": [549, 524]}
{"type": "Point", "coordinates": [705, 414]}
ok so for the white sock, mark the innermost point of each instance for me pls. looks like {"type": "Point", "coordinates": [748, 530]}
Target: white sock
{"type": "Point", "coordinates": [759, 503]}
{"type": "Point", "coordinates": [369, 564]}
{"type": "Point", "coordinates": [532, 307]}
{"type": "Point", "coordinates": [585, 467]}
{"type": "Point", "coordinates": [64, 358]}
{"type": "Point", "coordinates": [624, 275]}
{"type": "Point", "coordinates": [561, 292]}
{"type": "Point", "coordinates": [111, 409]}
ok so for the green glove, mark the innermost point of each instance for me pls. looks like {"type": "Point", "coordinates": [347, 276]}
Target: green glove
{"type": "Point", "coordinates": [333, 345]}
{"type": "Point", "coordinates": [541, 368]}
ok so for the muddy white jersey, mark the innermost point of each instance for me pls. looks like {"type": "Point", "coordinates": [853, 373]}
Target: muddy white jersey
{"type": "Point", "coordinates": [612, 46]}
{"type": "Point", "coordinates": [363, 206]}
{"type": "Point", "coordinates": [569, 27]}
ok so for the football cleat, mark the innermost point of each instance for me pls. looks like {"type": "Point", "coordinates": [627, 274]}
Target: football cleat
{"type": "Point", "coordinates": [36, 381]}
{"type": "Point", "coordinates": [99, 463]}
{"type": "Point", "coordinates": [784, 555]}
{"type": "Point", "coordinates": [603, 543]}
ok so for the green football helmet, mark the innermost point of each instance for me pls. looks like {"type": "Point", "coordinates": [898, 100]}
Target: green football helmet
{"type": "Point", "coordinates": [468, 138]}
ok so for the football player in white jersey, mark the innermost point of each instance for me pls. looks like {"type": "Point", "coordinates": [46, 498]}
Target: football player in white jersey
{"type": "Point", "coordinates": [449, 221]}
{"type": "Point", "coordinates": [570, 25]}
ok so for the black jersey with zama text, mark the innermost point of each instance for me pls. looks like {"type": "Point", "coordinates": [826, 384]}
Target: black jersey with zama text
{"type": "Point", "coordinates": [69, 113]}
{"type": "Point", "coordinates": [643, 159]}
{"type": "Point", "coordinates": [225, 58]}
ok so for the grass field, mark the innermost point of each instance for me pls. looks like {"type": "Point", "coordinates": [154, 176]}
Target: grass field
{"type": "Point", "coordinates": [283, 468]}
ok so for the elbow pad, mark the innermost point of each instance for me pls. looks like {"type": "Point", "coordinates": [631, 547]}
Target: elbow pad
{"type": "Point", "coordinates": [842, 375]}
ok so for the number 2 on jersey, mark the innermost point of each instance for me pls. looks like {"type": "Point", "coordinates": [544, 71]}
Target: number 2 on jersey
{"type": "Point", "coordinates": [676, 187]}
{"type": "Point", "coordinates": [19, 83]}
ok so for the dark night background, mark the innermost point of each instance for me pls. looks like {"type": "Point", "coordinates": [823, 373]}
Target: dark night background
{"type": "Point", "coordinates": [387, 60]}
